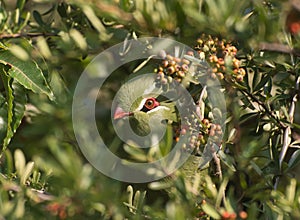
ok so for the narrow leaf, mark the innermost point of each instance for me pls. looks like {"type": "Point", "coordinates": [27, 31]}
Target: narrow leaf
{"type": "Point", "coordinates": [19, 161]}
{"type": "Point", "coordinates": [27, 172]}
{"type": "Point", "coordinates": [295, 159]}
{"type": "Point", "coordinates": [211, 211]}
{"type": "Point", "coordinates": [262, 83]}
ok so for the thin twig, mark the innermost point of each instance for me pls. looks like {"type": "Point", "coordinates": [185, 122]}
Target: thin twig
{"type": "Point", "coordinates": [218, 171]}
{"type": "Point", "coordinates": [218, 165]}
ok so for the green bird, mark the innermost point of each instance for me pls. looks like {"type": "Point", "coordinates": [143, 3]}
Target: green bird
{"type": "Point", "coordinates": [145, 104]}
{"type": "Point", "coordinates": [142, 101]}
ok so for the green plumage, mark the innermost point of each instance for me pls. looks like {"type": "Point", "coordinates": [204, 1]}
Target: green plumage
{"type": "Point", "coordinates": [130, 99]}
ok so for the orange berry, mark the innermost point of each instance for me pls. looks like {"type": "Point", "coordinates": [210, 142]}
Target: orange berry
{"type": "Point", "coordinates": [165, 63]}
{"type": "Point", "coordinates": [242, 71]}
{"type": "Point", "coordinates": [172, 63]}
{"type": "Point", "coordinates": [213, 76]}
{"type": "Point", "coordinates": [236, 63]}
{"type": "Point", "coordinates": [243, 215]}
{"type": "Point", "coordinates": [177, 59]}
{"type": "Point", "coordinates": [190, 53]}
{"type": "Point", "coordinates": [215, 70]}
{"type": "Point", "coordinates": [171, 69]}
{"type": "Point", "coordinates": [232, 216]}
{"type": "Point", "coordinates": [221, 61]}
{"type": "Point", "coordinates": [180, 74]}
{"type": "Point", "coordinates": [185, 67]}
{"type": "Point", "coordinates": [239, 78]}
{"type": "Point", "coordinates": [169, 57]}
{"type": "Point", "coordinates": [220, 75]}
{"type": "Point", "coordinates": [225, 215]}
{"type": "Point", "coordinates": [185, 61]}
{"type": "Point", "coordinates": [212, 133]}
{"type": "Point", "coordinates": [205, 122]}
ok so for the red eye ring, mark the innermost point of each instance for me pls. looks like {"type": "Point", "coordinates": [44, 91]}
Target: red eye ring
{"type": "Point", "coordinates": [151, 103]}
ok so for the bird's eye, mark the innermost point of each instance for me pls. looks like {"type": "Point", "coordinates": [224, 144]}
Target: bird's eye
{"type": "Point", "coordinates": [150, 103]}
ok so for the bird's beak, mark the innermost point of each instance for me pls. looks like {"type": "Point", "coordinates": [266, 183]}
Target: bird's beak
{"type": "Point", "coordinates": [120, 113]}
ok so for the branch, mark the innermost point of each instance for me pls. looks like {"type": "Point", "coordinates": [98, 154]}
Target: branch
{"type": "Point", "coordinates": [26, 35]}
{"type": "Point", "coordinates": [277, 47]}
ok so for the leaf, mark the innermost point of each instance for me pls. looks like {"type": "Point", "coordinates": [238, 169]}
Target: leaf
{"type": "Point", "coordinates": [19, 102]}
{"type": "Point", "coordinates": [9, 100]}
{"type": "Point", "coordinates": [207, 155]}
{"type": "Point", "coordinates": [38, 18]}
{"type": "Point", "coordinates": [20, 4]}
{"type": "Point", "coordinates": [15, 106]}
{"type": "Point", "coordinates": [160, 185]}
{"type": "Point", "coordinates": [210, 210]}
{"type": "Point", "coordinates": [166, 144]}
{"type": "Point", "coordinates": [19, 161]}
{"type": "Point", "coordinates": [3, 118]}
{"type": "Point", "coordinates": [27, 172]}
{"type": "Point", "coordinates": [227, 160]}
{"type": "Point", "coordinates": [27, 73]}
{"type": "Point", "coordinates": [262, 83]}
{"type": "Point", "coordinates": [294, 160]}
{"type": "Point", "coordinates": [135, 152]}
{"type": "Point", "coordinates": [78, 39]}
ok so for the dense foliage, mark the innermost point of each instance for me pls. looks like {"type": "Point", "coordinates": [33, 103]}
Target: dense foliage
{"type": "Point", "coordinates": [253, 48]}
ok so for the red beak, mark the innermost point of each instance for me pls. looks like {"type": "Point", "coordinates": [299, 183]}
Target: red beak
{"type": "Point", "coordinates": [120, 113]}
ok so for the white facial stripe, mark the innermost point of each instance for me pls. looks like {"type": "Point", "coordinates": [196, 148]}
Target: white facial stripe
{"type": "Point", "coordinates": [157, 108]}
{"type": "Point", "coordinates": [141, 104]}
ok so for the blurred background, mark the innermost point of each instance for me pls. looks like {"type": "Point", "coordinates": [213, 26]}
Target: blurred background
{"type": "Point", "coordinates": [62, 37]}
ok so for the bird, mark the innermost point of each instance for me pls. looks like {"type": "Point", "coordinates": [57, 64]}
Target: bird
{"type": "Point", "coordinates": [143, 102]}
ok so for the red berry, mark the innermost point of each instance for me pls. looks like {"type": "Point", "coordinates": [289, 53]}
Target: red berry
{"type": "Point", "coordinates": [295, 27]}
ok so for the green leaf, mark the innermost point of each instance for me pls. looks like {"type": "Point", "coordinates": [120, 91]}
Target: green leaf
{"type": "Point", "coordinates": [38, 18]}
{"type": "Point", "coordinates": [27, 172]}
{"type": "Point", "coordinates": [15, 105]}
{"type": "Point", "coordinates": [20, 4]}
{"type": "Point", "coordinates": [135, 152]}
{"type": "Point", "coordinates": [9, 100]}
{"type": "Point", "coordinates": [166, 144]}
{"type": "Point", "coordinates": [210, 210]}
{"type": "Point", "coordinates": [27, 73]}
{"type": "Point", "coordinates": [19, 102]}
{"type": "Point", "coordinates": [262, 83]}
{"type": "Point", "coordinates": [3, 118]}
{"type": "Point", "coordinates": [227, 160]}
{"type": "Point", "coordinates": [19, 161]}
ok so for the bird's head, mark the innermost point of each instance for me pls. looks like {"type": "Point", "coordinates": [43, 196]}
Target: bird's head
{"type": "Point", "coordinates": [142, 102]}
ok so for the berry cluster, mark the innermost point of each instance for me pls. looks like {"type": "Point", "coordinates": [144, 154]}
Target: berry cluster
{"type": "Point", "coordinates": [221, 56]}
{"type": "Point", "coordinates": [208, 130]}
{"type": "Point", "coordinates": [173, 68]}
